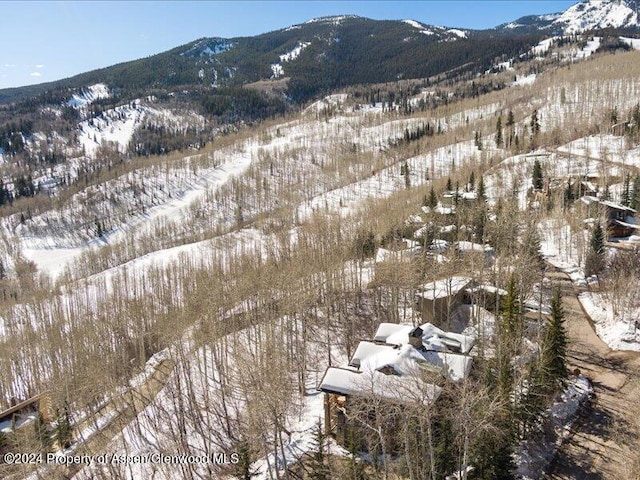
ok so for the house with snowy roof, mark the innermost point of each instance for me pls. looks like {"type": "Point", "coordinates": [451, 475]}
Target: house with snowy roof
{"type": "Point", "coordinates": [621, 220]}
{"type": "Point", "coordinates": [403, 365]}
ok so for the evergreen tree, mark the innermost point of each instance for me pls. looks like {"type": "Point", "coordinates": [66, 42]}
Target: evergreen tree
{"type": "Point", "coordinates": [531, 400]}
{"type": "Point", "coordinates": [480, 223]}
{"type": "Point", "coordinates": [493, 454]}
{"type": "Point", "coordinates": [554, 344]}
{"type": "Point", "coordinates": [63, 430]}
{"type": "Point", "coordinates": [535, 123]}
{"type": "Point", "coordinates": [449, 186]}
{"type": "Point", "coordinates": [595, 260]}
{"type": "Point", "coordinates": [407, 177]}
{"type": "Point", "coordinates": [510, 331]}
{"type": "Point", "coordinates": [597, 240]}
{"type": "Point", "coordinates": [499, 132]}
{"type": "Point", "coordinates": [569, 196]}
{"type": "Point", "coordinates": [532, 246]}
{"type": "Point", "coordinates": [613, 116]}
{"type": "Point", "coordinates": [634, 200]}
{"type": "Point", "coordinates": [433, 199]}
{"type": "Point", "coordinates": [538, 180]}
{"type": "Point", "coordinates": [242, 469]}
{"type": "Point", "coordinates": [480, 190]}
{"type": "Point", "coordinates": [510, 125]}
{"type": "Point", "coordinates": [478, 140]}
{"type": "Point", "coordinates": [318, 467]}
{"type": "Point", "coordinates": [472, 180]}
{"type": "Point", "coordinates": [355, 468]}
{"type": "Point", "coordinates": [364, 245]}
{"type": "Point", "coordinates": [626, 191]}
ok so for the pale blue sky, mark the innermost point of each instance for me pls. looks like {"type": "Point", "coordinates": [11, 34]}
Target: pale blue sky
{"type": "Point", "coordinates": [45, 41]}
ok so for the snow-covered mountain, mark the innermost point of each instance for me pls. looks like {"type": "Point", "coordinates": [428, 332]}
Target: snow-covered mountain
{"type": "Point", "coordinates": [597, 14]}
{"type": "Point", "coordinates": [581, 17]}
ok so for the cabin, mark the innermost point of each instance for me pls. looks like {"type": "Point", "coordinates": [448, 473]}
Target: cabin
{"type": "Point", "coordinates": [621, 220]}
{"type": "Point", "coordinates": [403, 365]}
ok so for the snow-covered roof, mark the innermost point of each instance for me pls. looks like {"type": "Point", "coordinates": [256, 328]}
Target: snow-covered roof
{"type": "Point", "coordinates": [488, 289]}
{"type": "Point", "coordinates": [439, 245]}
{"type": "Point", "coordinates": [469, 195]}
{"type": "Point", "coordinates": [616, 206]}
{"type": "Point", "coordinates": [444, 288]}
{"type": "Point", "coordinates": [627, 225]}
{"type": "Point", "coordinates": [433, 338]}
{"type": "Point", "coordinates": [442, 210]}
{"type": "Point", "coordinates": [404, 255]}
{"type": "Point", "coordinates": [394, 387]}
{"type": "Point", "coordinates": [394, 370]}
{"type": "Point", "coordinates": [365, 350]}
{"type": "Point", "coordinates": [409, 361]}
{"type": "Point", "coordinates": [466, 246]}
{"type": "Point", "coordinates": [589, 199]}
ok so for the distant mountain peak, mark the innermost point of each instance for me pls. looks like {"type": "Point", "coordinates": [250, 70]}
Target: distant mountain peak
{"type": "Point", "coordinates": [583, 16]}
{"type": "Point", "coordinates": [334, 19]}
{"type": "Point", "coordinates": [595, 14]}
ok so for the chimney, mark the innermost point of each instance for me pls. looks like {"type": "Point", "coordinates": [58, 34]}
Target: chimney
{"type": "Point", "coordinates": [415, 338]}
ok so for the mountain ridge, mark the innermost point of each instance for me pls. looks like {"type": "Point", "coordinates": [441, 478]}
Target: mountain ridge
{"type": "Point", "coordinates": [329, 52]}
{"type": "Point", "coordinates": [581, 17]}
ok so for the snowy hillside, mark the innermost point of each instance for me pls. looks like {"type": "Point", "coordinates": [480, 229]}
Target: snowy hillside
{"type": "Point", "coordinates": [584, 16]}
{"type": "Point", "coordinates": [598, 14]}
{"type": "Point", "coordinates": [89, 95]}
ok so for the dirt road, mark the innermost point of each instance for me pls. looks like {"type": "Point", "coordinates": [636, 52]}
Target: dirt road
{"type": "Point", "coordinates": [604, 441]}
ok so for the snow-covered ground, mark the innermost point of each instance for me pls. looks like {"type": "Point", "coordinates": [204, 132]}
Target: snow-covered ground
{"type": "Point", "coordinates": [632, 42]}
{"type": "Point", "coordinates": [524, 80]}
{"type": "Point", "coordinates": [588, 49]}
{"type": "Point", "coordinates": [89, 95]}
{"type": "Point", "coordinates": [560, 247]}
{"type": "Point", "coordinates": [616, 327]}
{"type": "Point", "coordinates": [418, 26]}
{"type": "Point", "coordinates": [116, 126]}
{"type": "Point", "coordinates": [210, 373]}
{"type": "Point", "coordinates": [278, 69]}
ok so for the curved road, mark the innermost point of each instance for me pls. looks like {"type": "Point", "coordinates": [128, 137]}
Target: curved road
{"type": "Point", "coordinates": [604, 441]}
